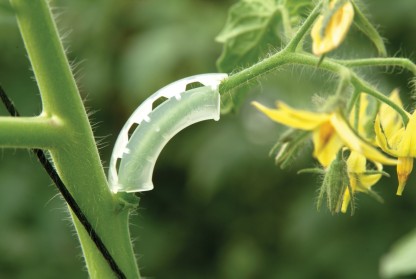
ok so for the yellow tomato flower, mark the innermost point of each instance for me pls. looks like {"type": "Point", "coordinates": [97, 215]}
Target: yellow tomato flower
{"type": "Point", "coordinates": [397, 139]}
{"type": "Point", "coordinates": [335, 31]}
{"type": "Point", "coordinates": [330, 132]}
{"type": "Point", "coordinates": [363, 117]}
{"type": "Point", "coordinates": [359, 180]}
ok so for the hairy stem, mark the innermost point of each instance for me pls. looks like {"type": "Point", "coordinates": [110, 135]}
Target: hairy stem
{"type": "Point", "coordinates": [75, 156]}
{"type": "Point", "coordinates": [403, 63]}
{"type": "Point", "coordinates": [300, 34]}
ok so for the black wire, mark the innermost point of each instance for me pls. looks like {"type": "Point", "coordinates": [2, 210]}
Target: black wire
{"type": "Point", "coordinates": [67, 195]}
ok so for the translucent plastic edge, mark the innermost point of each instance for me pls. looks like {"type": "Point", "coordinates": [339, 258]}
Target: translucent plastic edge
{"type": "Point", "coordinates": [171, 90]}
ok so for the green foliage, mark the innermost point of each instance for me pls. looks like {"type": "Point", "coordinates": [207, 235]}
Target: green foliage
{"type": "Point", "coordinates": [250, 30]}
{"type": "Point", "coordinates": [365, 26]}
{"type": "Point", "coordinates": [253, 29]}
{"type": "Point", "coordinates": [5, 7]}
{"type": "Point", "coordinates": [400, 261]}
{"type": "Point", "coordinates": [249, 34]}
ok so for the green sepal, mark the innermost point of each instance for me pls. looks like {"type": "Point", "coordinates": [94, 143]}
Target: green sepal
{"type": "Point", "coordinates": [288, 146]}
{"type": "Point", "coordinates": [365, 26]}
{"type": "Point", "coordinates": [312, 171]}
{"type": "Point", "coordinates": [371, 172]}
{"type": "Point", "coordinates": [334, 185]}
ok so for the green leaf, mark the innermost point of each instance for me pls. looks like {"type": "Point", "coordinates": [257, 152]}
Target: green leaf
{"type": "Point", "coordinates": [5, 7]}
{"type": "Point", "coordinates": [400, 261]}
{"type": "Point", "coordinates": [365, 26]}
{"type": "Point", "coordinates": [250, 31]}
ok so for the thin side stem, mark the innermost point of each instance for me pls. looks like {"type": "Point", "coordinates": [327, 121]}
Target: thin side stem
{"type": "Point", "coordinates": [272, 62]}
{"type": "Point", "coordinates": [30, 132]}
{"type": "Point", "coordinates": [380, 62]}
{"type": "Point", "coordinates": [300, 34]}
{"type": "Point", "coordinates": [370, 90]}
{"type": "Point", "coordinates": [352, 100]}
{"type": "Point", "coordinates": [257, 70]}
{"type": "Point", "coordinates": [357, 113]}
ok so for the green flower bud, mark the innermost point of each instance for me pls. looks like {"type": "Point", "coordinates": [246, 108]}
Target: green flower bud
{"type": "Point", "coordinates": [334, 184]}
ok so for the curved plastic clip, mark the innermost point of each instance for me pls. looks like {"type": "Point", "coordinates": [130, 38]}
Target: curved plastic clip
{"type": "Point", "coordinates": [138, 154]}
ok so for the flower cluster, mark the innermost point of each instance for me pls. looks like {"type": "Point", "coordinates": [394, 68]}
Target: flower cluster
{"type": "Point", "coordinates": [348, 152]}
{"type": "Point", "coordinates": [351, 145]}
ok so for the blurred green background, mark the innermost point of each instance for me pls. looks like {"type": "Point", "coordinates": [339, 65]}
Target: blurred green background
{"type": "Point", "coordinates": [220, 207]}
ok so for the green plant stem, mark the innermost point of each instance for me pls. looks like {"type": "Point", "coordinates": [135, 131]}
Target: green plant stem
{"type": "Point", "coordinates": [286, 57]}
{"type": "Point", "coordinates": [380, 62]}
{"type": "Point", "coordinates": [304, 28]}
{"type": "Point", "coordinates": [352, 100]}
{"type": "Point", "coordinates": [279, 59]}
{"type": "Point", "coordinates": [357, 82]}
{"type": "Point", "coordinates": [291, 55]}
{"type": "Point", "coordinates": [76, 156]}
{"type": "Point", "coordinates": [257, 70]}
{"type": "Point", "coordinates": [30, 132]}
{"type": "Point", "coordinates": [357, 113]}
{"type": "Point", "coordinates": [370, 90]}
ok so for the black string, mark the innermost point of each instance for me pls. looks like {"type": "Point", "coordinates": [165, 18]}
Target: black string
{"type": "Point", "coordinates": [66, 194]}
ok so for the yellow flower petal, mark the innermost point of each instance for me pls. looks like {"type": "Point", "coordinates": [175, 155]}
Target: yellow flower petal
{"type": "Point", "coordinates": [355, 143]}
{"type": "Point", "coordinates": [389, 118]}
{"type": "Point", "coordinates": [356, 167]}
{"type": "Point", "coordinates": [381, 137]}
{"type": "Point", "coordinates": [362, 115]}
{"type": "Point", "coordinates": [356, 162]}
{"type": "Point", "coordinates": [326, 144]}
{"type": "Point", "coordinates": [335, 31]}
{"type": "Point", "coordinates": [359, 182]}
{"type": "Point", "coordinates": [404, 168]}
{"type": "Point", "coordinates": [298, 119]}
{"type": "Point", "coordinates": [407, 145]}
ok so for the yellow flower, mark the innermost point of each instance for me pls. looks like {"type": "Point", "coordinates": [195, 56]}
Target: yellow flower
{"type": "Point", "coordinates": [359, 179]}
{"type": "Point", "coordinates": [397, 139]}
{"type": "Point", "coordinates": [330, 132]}
{"type": "Point", "coordinates": [335, 30]}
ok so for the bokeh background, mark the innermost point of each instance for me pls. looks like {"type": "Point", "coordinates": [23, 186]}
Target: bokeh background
{"type": "Point", "coordinates": [220, 207]}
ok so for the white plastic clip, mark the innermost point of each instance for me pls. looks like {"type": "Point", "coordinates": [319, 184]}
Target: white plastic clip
{"type": "Point", "coordinates": [138, 154]}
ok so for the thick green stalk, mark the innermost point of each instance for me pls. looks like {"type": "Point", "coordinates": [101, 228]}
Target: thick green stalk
{"type": "Point", "coordinates": [75, 154]}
